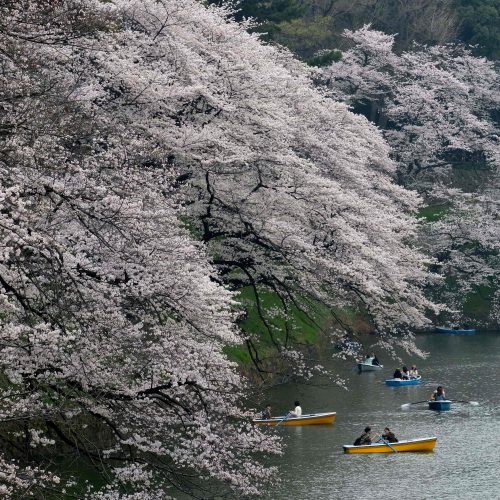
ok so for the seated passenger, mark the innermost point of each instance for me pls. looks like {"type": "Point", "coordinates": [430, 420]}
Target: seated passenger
{"type": "Point", "coordinates": [413, 371]}
{"type": "Point", "coordinates": [438, 394]}
{"type": "Point", "coordinates": [389, 436]}
{"type": "Point", "coordinates": [365, 438]}
{"type": "Point", "coordinates": [266, 413]}
{"type": "Point", "coordinates": [406, 374]}
{"type": "Point", "coordinates": [397, 373]}
{"type": "Point", "coordinates": [297, 411]}
{"type": "Point", "coordinates": [375, 360]}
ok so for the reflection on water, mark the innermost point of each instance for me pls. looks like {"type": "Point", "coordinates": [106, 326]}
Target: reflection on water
{"type": "Point", "coordinates": [466, 461]}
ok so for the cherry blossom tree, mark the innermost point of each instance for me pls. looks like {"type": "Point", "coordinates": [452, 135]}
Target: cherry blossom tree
{"type": "Point", "coordinates": [293, 192]}
{"type": "Point", "coordinates": [436, 107]}
{"type": "Point", "coordinates": [435, 104]}
{"type": "Point", "coordinates": [154, 154]}
{"type": "Point", "coordinates": [112, 319]}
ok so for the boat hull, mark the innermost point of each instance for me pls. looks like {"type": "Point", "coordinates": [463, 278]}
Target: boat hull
{"type": "Point", "coordinates": [439, 405]}
{"type": "Point", "coordinates": [413, 445]}
{"type": "Point", "coordinates": [313, 419]}
{"type": "Point", "coordinates": [440, 329]}
{"type": "Point", "coordinates": [397, 382]}
{"type": "Point", "coordinates": [362, 367]}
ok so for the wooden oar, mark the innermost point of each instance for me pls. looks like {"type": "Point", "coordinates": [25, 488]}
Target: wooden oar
{"type": "Point", "coordinates": [473, 403]}
{"type": "Point", "coordinates": [288, 415]}
{"type": "Point", "coordinates": [388, 444]}
{"type": "Point", "coordinates": [407, 405]}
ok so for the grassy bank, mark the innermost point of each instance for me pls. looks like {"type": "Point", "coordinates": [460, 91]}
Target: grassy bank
{"type": "Point", "coordinates": [271, 326]}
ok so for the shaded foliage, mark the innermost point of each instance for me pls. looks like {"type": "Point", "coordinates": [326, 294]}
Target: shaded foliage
{"type": "Point", "coordinates": [479, 24]}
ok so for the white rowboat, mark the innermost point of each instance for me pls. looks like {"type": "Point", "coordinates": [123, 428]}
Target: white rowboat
{"type": "Point", "coordinates": [365, 367]}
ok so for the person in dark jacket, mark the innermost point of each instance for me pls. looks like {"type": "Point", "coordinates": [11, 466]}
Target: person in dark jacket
{"type": "Point", "coordinates": [365, 438]}
{"type": "Point", "coordinates": [266, 413]}
{"type": "Point", "coordinates": [397, 374]}
{"type": "Point", "coordinates": [389, 436]}
{"type": "Point", "coordinates": [375, 360]}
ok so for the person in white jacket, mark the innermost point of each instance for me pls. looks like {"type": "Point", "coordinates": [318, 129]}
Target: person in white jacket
{"type": "Point", "coordinates": [297, 411]}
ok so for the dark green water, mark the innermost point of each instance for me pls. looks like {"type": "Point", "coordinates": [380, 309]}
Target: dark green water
{"type": "Point", "coordinates": [466, 461]}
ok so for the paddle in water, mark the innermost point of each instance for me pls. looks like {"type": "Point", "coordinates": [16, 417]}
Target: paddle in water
{"type": "Point", "coordinates": [382, 440]}
{"type": "Point", "coordinates": [287, 416]}
{"type": "Point", "coordinates": [407, 405]}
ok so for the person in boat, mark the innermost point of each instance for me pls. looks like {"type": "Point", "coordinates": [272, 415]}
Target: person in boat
{"type": "Point", "coordinates": [367, 360]}
{"type": "Point", "coordinates": [389, 436]}
{"type": "Point", "coordinates": [266, 413]}
{"type": "Point", "coordinates": [406, 374]}
{"type": "Point", "coordinates": [375, 360]}
{"type": "Point", "coordinates": [365, 438]}
{"type": "Point", "coordinates": [297, 411]}
{"type": "Point", "coordinates": [438, 394]}
{"type": "Point", "coordinates": [397, 374]}
{"type": "Point", "coordinates": [413, 371]}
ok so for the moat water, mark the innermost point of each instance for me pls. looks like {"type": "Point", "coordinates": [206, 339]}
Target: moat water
{"type": "Point", "coordinates": [466, 461]}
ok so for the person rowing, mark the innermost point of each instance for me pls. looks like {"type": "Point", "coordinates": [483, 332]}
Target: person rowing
{"type": "Point", "coordinates": [389, 436]}
{"type": "Point", "coordinates": [297, 411]}
{"type": "Point", "coordinates": [438, 394]}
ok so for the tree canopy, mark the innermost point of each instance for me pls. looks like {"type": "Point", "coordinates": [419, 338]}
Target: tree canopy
{"type": "Point", "coordinates": [436, 107]}
{"type": "Point", "coordinates": [267, 15]}
{"type": "Point", "coordinates": [479, 24]}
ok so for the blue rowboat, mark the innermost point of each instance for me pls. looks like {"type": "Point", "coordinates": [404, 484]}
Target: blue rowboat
{"type": "Point", "coordinates": [440, 405]}
{"type": "Point", "coordinates": [441, 329]}
{"type": "Point", "coordinates": [397, 382]}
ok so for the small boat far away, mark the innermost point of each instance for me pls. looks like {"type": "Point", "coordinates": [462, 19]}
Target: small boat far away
{"type": "Point", "coordinates": [444, 405]}
{"type": "Point", "coordinates": [442, 329]}
{"type": "Point", "coordinates": [368, 367]}
{"type": "Point", "coordinates": [396, 382]}
{"type": "Point", "coordinates": [311, 419]}
{"type": "Point", "coordinates": [411, 445]}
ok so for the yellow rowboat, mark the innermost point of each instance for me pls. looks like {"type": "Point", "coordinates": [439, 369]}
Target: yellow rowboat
{"type": "Point", "coordinates": [415, 445]}
{"type": "Point", "coordinates": [312, 419]}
